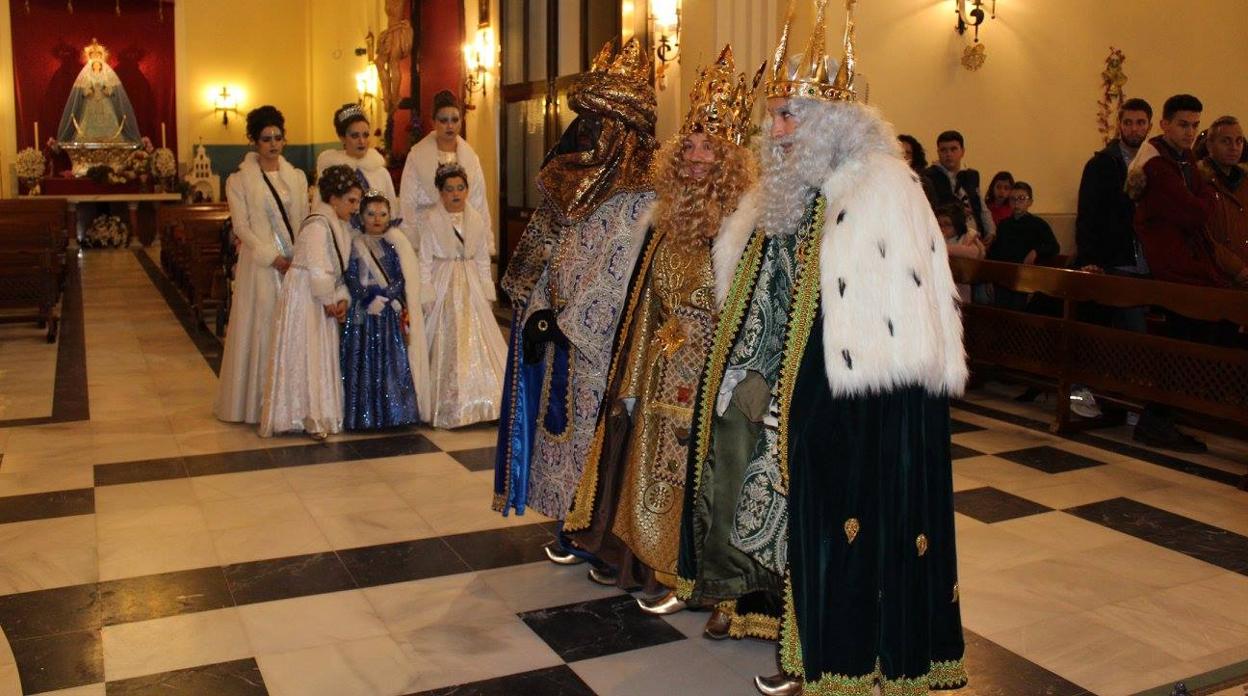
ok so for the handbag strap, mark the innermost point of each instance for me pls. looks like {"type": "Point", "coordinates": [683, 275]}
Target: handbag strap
{"type": "Point", "coordinates": [290, 232]}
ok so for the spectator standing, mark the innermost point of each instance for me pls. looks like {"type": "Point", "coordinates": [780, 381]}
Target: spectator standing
{"type": "Point", "coordinates": [1228, 226]}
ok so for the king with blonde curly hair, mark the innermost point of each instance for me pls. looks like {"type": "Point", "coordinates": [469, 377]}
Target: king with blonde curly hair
{"type": "Point", "coordinates": [628, 506]}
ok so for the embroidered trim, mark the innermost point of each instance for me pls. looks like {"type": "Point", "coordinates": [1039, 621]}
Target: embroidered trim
{"type": "Point", "coordinates": [585, 501]}
{"type": "Point", "coordinates": [500, 499]}
{"type": "Point", "coordinates": [790, 641]}
{"type": "Point", "coordinates": [684, 588]}
{"type": "Point", "coordinates": [805, 301]}
{"type": "Point", "coordinates": [544, 403]}
{"type": "Point", "coordinates": [940, 675]}
{"type": "Point", "coordinates": [758, 626]}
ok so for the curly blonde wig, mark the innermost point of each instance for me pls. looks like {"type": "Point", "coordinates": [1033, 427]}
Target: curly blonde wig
{"type": "Point", "coordinates": [692, 210]}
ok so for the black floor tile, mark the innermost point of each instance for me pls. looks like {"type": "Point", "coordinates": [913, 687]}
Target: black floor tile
{"type": "Point", "coordinates": [139, 471]}
{"type": "Point", "coordinates": [994, 671]}
{"type": "Point", "coordinates": [393, 446]}
{"type": "Point", "coordinates": [304, 455]}
{"type": "Point", "coordinates": [401, 562]}
{"type": "Point", "coordinates": [602, 627]}
{"type": "Point", "coordinates": [956, 426]}
{"type": "Point", "coordinates": [45, 612]}
{"type": "Point", "coordinates": [59, 661]}
{"type": "Point", "coordinates": [166, 594]}
{"type": "Point", "coordinates": [497, 548]}
{"type": "Point", "coordinates": [991, 505]}
{"type": "Point", "coordinates": [476, 459]}
{"type": "Point", "coordinates": [284, 578]}
{"type": "Point", "coordinates": [1050, 460]}
{"type": "Point", "coordinates": [552, 681]}
{"type": "Point", "coordinates": [42, 506]}
{"type": "Point", "coordinates": [957, 451]}
{"type": "Point", "coordinates": [229, 462]}
{"type": "Point", "coordinates": [1189, 537]}
{"type": "Point", "coordinates": [237, 678]}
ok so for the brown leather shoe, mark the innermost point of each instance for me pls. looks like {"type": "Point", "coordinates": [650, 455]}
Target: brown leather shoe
{"type": "Point", "coordinates": [717, 626]}
{"type": "Point", "coordinates": [778, 685]}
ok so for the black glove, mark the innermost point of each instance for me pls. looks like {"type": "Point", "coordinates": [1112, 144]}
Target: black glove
{"type": "Point", "coordinates": [540, 329]}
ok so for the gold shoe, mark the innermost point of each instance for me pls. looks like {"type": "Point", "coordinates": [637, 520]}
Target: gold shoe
{"type": "Point", "coordinates": [601, 577]}
{"type": "Point", "coordinates": [662, 606]}
{"type": "Point", "coordinates": [717, 626]}
{"type": "Point", "coordinates": [778, 685]}
{"type": "Point", "coordinates": [318, 437]}
{"type": "Point", "coordinates": [558, 556]}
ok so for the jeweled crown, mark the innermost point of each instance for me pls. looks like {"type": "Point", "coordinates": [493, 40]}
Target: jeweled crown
{"type": "Point", "coordinates": [721, 103]}
{"type": "Point", "coordinates": [631, 62]}
{"type": "Point", "coordinates": [95, 51]}
{"type": "Point", "coordinates": [811, 77]}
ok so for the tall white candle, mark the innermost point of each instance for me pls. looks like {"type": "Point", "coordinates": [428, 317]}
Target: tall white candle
{"type": "Point", "coordinates": [37, 146]}
{"type": "Point", "coordinates": [162, 134]}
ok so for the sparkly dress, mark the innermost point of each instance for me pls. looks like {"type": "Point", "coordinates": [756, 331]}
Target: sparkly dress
{"type": "Point", "coordinates": [377, 378]}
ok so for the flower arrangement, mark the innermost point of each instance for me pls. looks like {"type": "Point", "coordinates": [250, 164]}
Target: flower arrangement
{"type": "Point", "coordinates": [107, 231]}
{"type": "Point", "coordinates": [1112, 94]}
{"type": "Point", "coordinates": [30, 164]}
{"type": "Point", "coordinates": [164, 164]}
{"type": "Point", "coordinates": [104, 174]}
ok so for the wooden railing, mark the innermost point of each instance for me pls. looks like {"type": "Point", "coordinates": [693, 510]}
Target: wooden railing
{"type": "Point", "coordinates": [1139, 368]}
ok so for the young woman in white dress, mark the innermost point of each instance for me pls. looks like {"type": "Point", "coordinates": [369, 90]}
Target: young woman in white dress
{"type": "Point", "coordinates": [467, 354]}
{"type": "Point", "coordinates": [303, 392]}
{"type": "Point", "coordinates": [268, 201]}
{"type": "Point", "coordinates": [441, 147]}
{"type": "Point", "coordinates": [365, 161]}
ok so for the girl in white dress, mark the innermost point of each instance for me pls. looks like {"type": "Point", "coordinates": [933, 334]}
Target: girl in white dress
{"type": "Point", "coordinates": [303, 392]}
{"type": "Point", "coordinates": [357, 153]}
{"type": "Point", "coordinates": [467, 354]}
{"type": "Point", "coordinates": [441, 147]}
{"type": "Point", "coordinates": [268, 200]}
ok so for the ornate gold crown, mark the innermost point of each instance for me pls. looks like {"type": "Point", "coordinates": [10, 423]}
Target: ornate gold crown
{"type": "Point", "coordinates": [808, 78]}
{"type": "Point", "coordinates": [630, 63]}
{"type": "Point", "coordinates": [722, 103]}
{"type": "Point", "coordinates": [617, 86]}
{"type": "Point", "coordinates": [94, 50]}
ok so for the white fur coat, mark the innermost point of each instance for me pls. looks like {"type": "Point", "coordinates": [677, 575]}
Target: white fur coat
{"type": "Point", "coordinates": [890, 312]}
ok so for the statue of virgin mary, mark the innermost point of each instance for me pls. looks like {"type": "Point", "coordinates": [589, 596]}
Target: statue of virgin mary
{"type": "Point", "coordinates": [98, 110]}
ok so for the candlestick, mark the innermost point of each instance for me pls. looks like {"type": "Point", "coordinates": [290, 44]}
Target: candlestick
{"type": "Point", "coordinates": [162, 134]}
{"type": "Point", "coordinates": [37, 146]}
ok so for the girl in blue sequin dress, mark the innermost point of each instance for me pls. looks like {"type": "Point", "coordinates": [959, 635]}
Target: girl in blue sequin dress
{"type": "Point", "coordinates": [385, 384]}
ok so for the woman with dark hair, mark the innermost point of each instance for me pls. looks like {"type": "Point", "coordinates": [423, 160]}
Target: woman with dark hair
{"type": "Point", "coordinates": [997, 197]}
{"type": "Point", "coordinates": [959, 239]}
{"type": "Point", "coordinates": [385, 368]}
{"type": "Point", "coordinates": [443, 146]}
{"type": "Point", "coordinates": [267, 197]}
{"type": "Point", "coordinates": [303, 392]}
{"type": "Point", "coordinates": [365, 161]}
{"type": "Point", "coordinates": [467, 354]}
{"type": "Point", "coordinates": [914, 155]}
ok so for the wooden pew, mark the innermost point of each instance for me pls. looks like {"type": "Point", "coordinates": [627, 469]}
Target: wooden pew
{"type": "Point", "coordinates": [1139, 368]}
{"type": "Point", "coordinates": [33, 260]}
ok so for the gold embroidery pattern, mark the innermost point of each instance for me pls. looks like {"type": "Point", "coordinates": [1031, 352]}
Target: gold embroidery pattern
{"type": "Point", "coordinates": [790, 641]}
{"type": "Point", "coordinates": [671, 336]}
{"type": "Point", "coordinates": [684, 588]}
{"type": "Point", "coordinates": [750, 625]}
{"type": "Point", "coordinates": [921, 544]}
{"type": "Point", "coordinates": [500, 499]}
{"type": "Point", "coordinates": [582, 512]}
{"type": "Point", "coordinates": [940, 675]}
{"type": "Point", "coordinates": [805, 302]}
{"type": "Point", "coordinates": [851, 529]}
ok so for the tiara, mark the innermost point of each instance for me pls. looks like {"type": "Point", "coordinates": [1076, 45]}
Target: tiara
{"type": "Point", "coordinates": [374, 193]}
{"type": "Point", "coordinates": [350, 112]}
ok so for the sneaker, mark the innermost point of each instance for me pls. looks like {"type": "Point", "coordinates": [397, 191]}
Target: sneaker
{"type": "Point", "coordinates": [1082, 403]}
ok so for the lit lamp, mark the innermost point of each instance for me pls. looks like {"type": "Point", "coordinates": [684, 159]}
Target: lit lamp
{"type": "Point", "coordinates": [225, 104]}
{"type": "Point", "coordinates": [367, 84]}
{"type": "Point", "coordinates": [973, 18]}
{"type": "Point", "coordinates": [478, 61]}
{"type": "Point", "coordinates": [665, 29]}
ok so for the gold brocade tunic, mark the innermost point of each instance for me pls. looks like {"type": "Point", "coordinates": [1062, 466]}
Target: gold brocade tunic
{"type": "Point", "coordinates": [663, 355]}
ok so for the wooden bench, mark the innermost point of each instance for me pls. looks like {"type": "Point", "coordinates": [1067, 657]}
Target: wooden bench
{"type": "Point", "coordinates": [33, 261]}
{"type": "Point", "coordinates": [1122, 365]}
{"type": "Point", "coordinates": [191, 252]}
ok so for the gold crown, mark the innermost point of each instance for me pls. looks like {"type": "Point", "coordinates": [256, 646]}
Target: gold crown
{"type": "Point", "coordinates": [94, 50]}
{"type": "Point", "coordinates": [631, 62]}
{"type": "Point", "coordinates": [808, 78]}
{"type": "Point", "coordinates": [617, 86]}
{"type": "Point", "coordinates": [722, 103]}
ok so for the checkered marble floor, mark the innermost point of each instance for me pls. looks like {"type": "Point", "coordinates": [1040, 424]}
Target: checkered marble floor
{"type": "Point", "coordinates": [147, 549]}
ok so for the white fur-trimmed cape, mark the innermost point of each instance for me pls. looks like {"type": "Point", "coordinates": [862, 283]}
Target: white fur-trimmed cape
{"type": "Point", "coordinates": [890, 312]}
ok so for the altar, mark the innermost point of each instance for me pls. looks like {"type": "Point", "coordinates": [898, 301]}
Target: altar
{"type": "Point", "coordinates": [144, 230]}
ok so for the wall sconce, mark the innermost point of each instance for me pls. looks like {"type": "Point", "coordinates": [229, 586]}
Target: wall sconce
{"type": "Point", "coordinates": [478, 62]}
{"type": "Point", "coordinates": [974, 18]}
{"type": "Point", "coordinates": [367, 83]}
{"type": "Point", "coordinates": [665, 32]}
{"type": "Point", "coordinates": [225, 104]}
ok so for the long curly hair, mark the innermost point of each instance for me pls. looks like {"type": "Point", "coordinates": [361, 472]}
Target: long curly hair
{"type": "Point", "coordinates": [692, 210]}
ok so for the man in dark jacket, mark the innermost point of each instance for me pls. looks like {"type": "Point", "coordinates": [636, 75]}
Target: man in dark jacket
{"type": "Point", "coordinates": [953, 184]}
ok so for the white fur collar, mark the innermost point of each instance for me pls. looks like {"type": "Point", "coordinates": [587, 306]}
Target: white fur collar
{"type": "Point", "coordinates": [371, 161]}
{"type": "Point", "coordinates": [729, 244]}
{"type": "Point", "coordinates": [1136, 180]}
